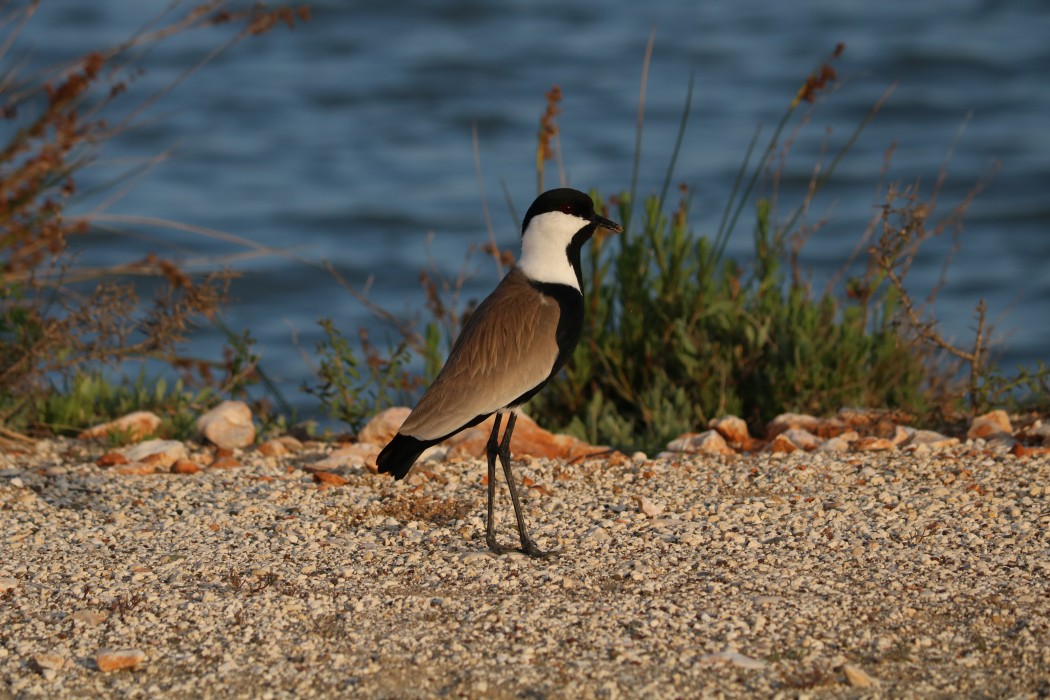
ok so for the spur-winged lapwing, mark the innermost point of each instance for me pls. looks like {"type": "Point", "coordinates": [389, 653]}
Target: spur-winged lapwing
{"type": "Point", "coordinates": [512, 344]}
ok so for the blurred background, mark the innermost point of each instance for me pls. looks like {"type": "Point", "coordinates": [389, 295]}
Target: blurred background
{"type": "Point", "coordinates": [349, 140]}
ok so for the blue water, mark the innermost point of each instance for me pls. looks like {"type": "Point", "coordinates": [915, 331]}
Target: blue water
{"type": "Point", "coordinates": [348, 141]}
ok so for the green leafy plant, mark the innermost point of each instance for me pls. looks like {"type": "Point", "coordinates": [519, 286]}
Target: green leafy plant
{"type": "Point", "coordinates": [354, 386]}
{"type": "Point", "coordinates": [673, 339]}
{"type": "Point", "coordinates": [87, 399]}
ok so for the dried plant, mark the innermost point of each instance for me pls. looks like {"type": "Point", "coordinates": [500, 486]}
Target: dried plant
{"type": "Point", "coordinates": [49, 328]}
{"type": "Point", "coordinates": [546, 142]}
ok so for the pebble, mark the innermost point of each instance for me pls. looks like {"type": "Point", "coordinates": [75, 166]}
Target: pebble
{"type": "Point", "coordinates": [156, 453]}
{"type": "Point", "coordinates": [134, 426]}
{"type": "Point", "coordinates": [733, 429]}
{"type": "Point", "coordinates": [857, 677]}
{"type": "Point", "coordinates": [118, 659]}
{"type": "Point", "coordinates": [49, 661]}
{"type": "Point", "coordinates": [351, 456]}
{"type": "Point", "coordinates": [228, 425]}
{"type": "Point", "coordinates": [648, 507]}
{"type": "Point", "coordinates": [762, 574]}
{"type": "Point", "coordinates": [707, 442]}
{"type": "Point", "coordinates": [382, 427]}
{"type": "Point", "coordinates": [737, 659]}
{"type": "Point", "coordinates": [989, 425]}
{"type": "Point", "coordinates": [89, 617]}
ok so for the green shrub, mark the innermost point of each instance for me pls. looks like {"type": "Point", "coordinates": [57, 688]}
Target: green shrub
{"type": "Point", "coordinates": [355, 385]}
{"type": "Point", "coordinates": [87, 399]}
{"type": "Point", "coordinates": [674, 338]}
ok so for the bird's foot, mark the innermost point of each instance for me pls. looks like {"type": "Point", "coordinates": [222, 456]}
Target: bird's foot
{"type": "Point", "coordinates": [529, 549]}
{"type": "Point", "coordinates": [495, 546]}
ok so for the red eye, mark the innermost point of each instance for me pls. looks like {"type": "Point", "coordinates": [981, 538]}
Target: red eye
{"type": "Point", "coordinates": [566, 209]}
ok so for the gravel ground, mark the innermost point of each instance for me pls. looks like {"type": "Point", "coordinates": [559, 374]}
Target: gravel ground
{"type": "Point", "coordinates": [818, 574]}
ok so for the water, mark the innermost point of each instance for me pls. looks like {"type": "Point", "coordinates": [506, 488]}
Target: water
{"type": "Point", "coordinates": [348, 141]}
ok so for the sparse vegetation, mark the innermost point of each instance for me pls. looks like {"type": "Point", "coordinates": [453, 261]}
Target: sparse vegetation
{"type": "Point", "coordinates": [60, 325]}
{"type": "Point", "coordinates": [354, 387]}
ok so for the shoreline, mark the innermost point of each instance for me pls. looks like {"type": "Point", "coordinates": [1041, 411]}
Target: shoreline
{"type": "Point", "coordinates": [905, 574]}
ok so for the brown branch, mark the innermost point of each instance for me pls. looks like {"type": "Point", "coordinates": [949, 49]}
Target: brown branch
{"type": "Point", "coordinates": [926, 329]}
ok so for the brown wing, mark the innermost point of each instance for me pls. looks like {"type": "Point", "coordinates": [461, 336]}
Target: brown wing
{"type": "Point", "coordinates": [507, 347]}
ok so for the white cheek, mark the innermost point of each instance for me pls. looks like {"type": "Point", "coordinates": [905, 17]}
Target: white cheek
{"type": "Point", "coordinates": [543, 248]}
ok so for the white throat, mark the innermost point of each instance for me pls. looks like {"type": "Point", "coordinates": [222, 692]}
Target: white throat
{"type": "Point", "coordinates": [544, 256]}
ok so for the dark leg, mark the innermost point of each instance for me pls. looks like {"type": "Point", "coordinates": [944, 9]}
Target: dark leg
{"type": "Point", "coordinates": [491, 449]}
{"type": "Point", "coordinates": [527, 545]}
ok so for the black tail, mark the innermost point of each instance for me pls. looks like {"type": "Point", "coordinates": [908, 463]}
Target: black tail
{"type": "Point", "coordinates": [399, 456]}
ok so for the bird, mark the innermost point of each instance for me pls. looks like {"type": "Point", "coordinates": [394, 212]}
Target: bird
{"type": "Point", "coordinates": [515, 341]}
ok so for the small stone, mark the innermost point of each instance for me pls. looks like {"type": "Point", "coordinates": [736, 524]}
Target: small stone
{"type": "Point", "coordinates": [1019, 450]}
{"type": "Point", "coordinates": [529, 440]}
{"type": "Point", "coordinates": [185, 466]}
{"type": "Point", "coordinates": [736, 658]}
{"type": "Point", "coordinates": [596, 533]}
{"type": "Point", "coordinates": [733, 429]}
{"type": "Point", "coordinates": [135, 426]}
{"type": "Point", "coordinates": [111, 459]}
{"type": "Point", "coordinates": [475, 558]}
{"type": "Point", "coordinates": [292, 444]}
{"type": "Point", "coordinates": [383, 426]}
{"type": "Point", "coordinates": [708, 442]}
{"type": "Point", "coordinates": [226, 463]}
{"type": "Point", "coordinates": [158, 453]}
{"type": "Point", "coordinates": [859, 417]}
{"type": "Point", "coordinates": [353, 456]}
{"type": "Point", "coordinates": [787, 421]}
{"type": "Point", "coordinates": [648, 507]}
{"type": "Point", "coordinates": [831, 427]}
{"type": "Point", "coordinates": [839, 443]}
{"type": "Point", "coordinates": [49, 661]}
{"type": "Point", "coordinates": [901, 435]}
{"type": "Point", "coordinates": [228, 425]}
{"type": "Point", "coordinates": [1040, 431]}
{"type": "Point", "coordinates": [933, 440]}
{"type": "Point", "coordinates": [781, 444]}
{"type": "Point", "coordinates": [7, 583]}
{"type": "Point", "coordinates": [802, 439]}
{"type": "Point", "coordinates": [89, 617]}
{"type": "Point", "coordinates": [873, 444]}
{"type": "Point", "coordinates": [1002, 442]}
{"type": "Point", "coordinates": [280, 447]}
{"type": "Point", "coordinates": [136, 469]}
{"type": "Point", "coordinates": [857, 677]}
{"type": "Point", "coordinates": [434, 453]}
{"type": "Point", "coordinates": [273, 448]}
{"type": "Point", "coordinates": [117, 659]}
{"type": "Point", "coordinates": [330, 479]}
{"type": "Point", "coordinates": [742, 661]}
{"type": "Point", "coordinates": [989, 424]}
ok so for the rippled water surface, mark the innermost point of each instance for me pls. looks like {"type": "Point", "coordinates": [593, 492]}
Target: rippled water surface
{"type": "Point", "coordinates": [348, 140]}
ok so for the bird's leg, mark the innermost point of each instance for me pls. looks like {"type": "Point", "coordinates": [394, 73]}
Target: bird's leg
{"type": "Point", "coordinates": [491, 450]}
{"type": "Point", "coordinates": [527, 545]}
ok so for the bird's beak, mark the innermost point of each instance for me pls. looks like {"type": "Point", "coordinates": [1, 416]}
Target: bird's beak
{"type": "Point", "coordinates": [606, 224]}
